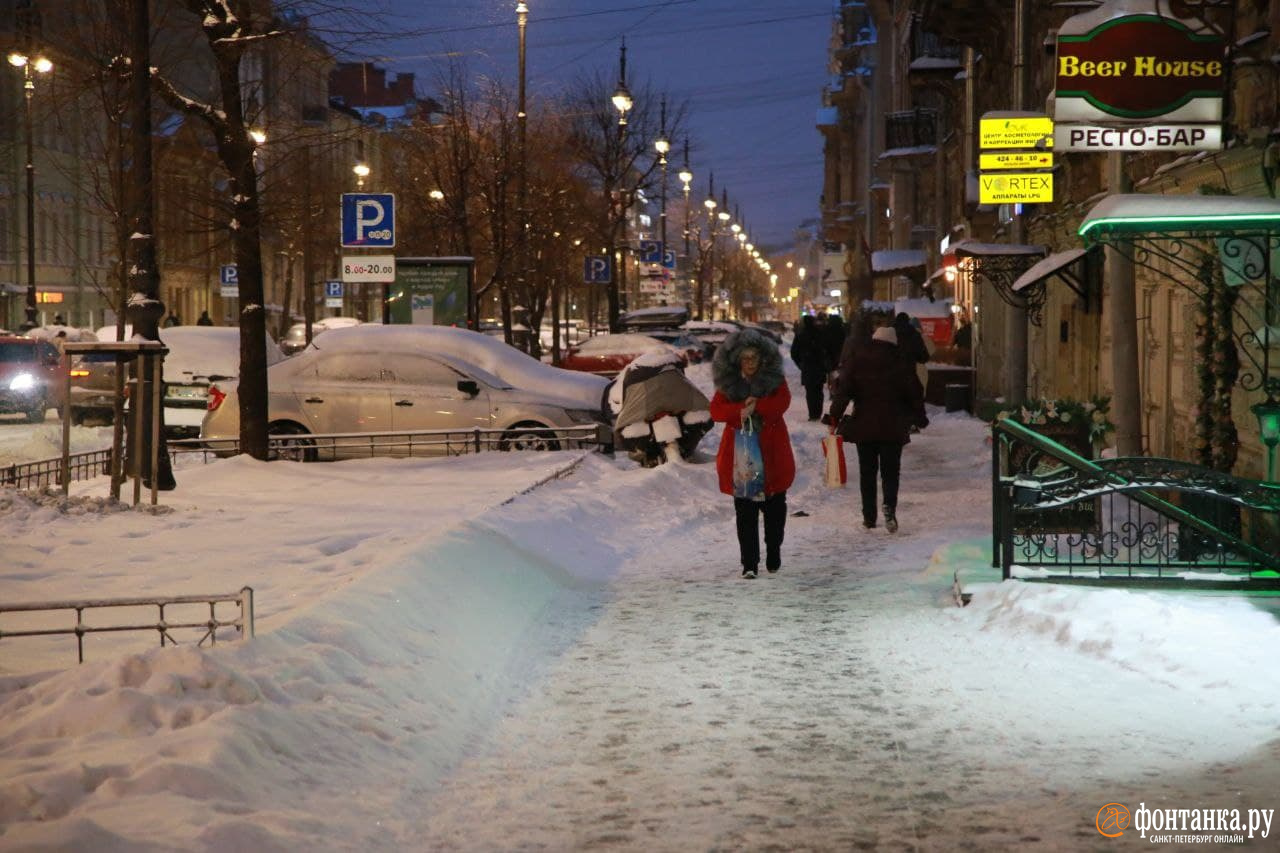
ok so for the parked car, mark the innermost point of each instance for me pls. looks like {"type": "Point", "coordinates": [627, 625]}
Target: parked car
{"type": "Point", "coordinates": [31, 377]}
{"type": "Point", "coordinates": [710, 332]}
{"type": "Point", "coordinates": [198, 355]}
{"type": "Point", "coordinates": [606, 355]}
{"type": "Point", "coordinates": [375, 378]}
{"type": "Point", "coordinates": [657, 317]}
{"type": "Point", "coordinates": [695, 350]}
{"type": "Point", "coordinates": [295, 339]}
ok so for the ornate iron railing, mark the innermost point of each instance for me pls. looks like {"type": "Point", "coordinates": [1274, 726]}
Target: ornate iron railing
{"type": "Point", "coordinates": [1060, 516]}
{"type": "Point", "coordinates": [242, 622]}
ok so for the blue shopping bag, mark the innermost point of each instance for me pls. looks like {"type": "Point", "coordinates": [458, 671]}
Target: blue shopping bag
{"type": "Point", "coordinates": [748, 463]}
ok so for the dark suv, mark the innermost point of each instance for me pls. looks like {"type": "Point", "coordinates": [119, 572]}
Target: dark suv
{"type": "Point", "coordinates": [31, 377]}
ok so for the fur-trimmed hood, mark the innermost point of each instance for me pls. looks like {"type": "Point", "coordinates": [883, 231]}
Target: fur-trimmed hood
{"type": "Point", "coordinates": [727, 375]}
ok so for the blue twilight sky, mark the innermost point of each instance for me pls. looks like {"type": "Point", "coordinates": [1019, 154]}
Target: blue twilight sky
{"type": "Point", "coordinates": [752, 72]}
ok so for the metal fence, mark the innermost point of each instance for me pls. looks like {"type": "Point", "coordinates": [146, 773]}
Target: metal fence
{"type": "Point", "coordinates": [242, 622]}
{"type": "Point", "coordinates": [327, 448]}
{"type": "Point", "coordinates": [1143, 520]}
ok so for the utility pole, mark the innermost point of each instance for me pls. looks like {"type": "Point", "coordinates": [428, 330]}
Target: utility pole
{"type": "Point", "coordinates": [1016, 311]}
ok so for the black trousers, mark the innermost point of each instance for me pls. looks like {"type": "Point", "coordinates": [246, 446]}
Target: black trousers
{"type": "Point", "coordinates": [813, 396]}
{"type": "Point", "coordinates": [884, 458]}
{"type": "Point", "coordinates": [774, 509]}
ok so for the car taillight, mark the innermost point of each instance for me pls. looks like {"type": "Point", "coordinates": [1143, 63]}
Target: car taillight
{"type": "Point", "coordinates": [79, 371]}
{"type": "Point", "coordinates": [216, 396]}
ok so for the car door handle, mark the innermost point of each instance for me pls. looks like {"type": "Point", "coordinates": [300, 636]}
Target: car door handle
{"type": "Point", "coordinates": [314, 400]}
{"type": "Point", "coordinates": [404, 402]}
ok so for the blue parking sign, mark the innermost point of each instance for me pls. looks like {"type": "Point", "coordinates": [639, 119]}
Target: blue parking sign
{"type": "Point", "coordinates": [229, 275]}
{"type": "Point", "coordinates": [596, 269]}
{"type": "Point", "coordinates": [669, 258]}
{"type": "Point", "coordinates": [369, 219]}
{"type": "Point", "coordinates": [651, 251]}
{"type": "Point", "coordinates": [333, 289]}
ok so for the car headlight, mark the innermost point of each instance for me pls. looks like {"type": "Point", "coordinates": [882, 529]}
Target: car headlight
{"type": "Point", "coordinates": [22, 382]}
{"type": "Point", "coordinates": [582, 416]}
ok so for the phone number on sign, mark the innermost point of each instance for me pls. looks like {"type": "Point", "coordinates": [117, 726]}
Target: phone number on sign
{"type": "Point", "coordinates": [367, 269]}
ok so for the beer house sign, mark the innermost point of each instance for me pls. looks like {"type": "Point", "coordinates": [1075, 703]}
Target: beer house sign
{"type": "Point", "coordinates": [1128, 64]}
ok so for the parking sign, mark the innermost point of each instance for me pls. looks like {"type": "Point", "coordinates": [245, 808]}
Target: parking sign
{"type": "Point", "coordinates": [651, 251]}
{"type": "Point", "coordinates": [369, 219]}
{"type": "Point", "coordinates": [333, 289]}
{"type": "Point", "coordinates": [596, 269]}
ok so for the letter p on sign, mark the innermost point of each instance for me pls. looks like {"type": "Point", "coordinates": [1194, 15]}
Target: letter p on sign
{"type": "Point", "coordinates": [368, 219]}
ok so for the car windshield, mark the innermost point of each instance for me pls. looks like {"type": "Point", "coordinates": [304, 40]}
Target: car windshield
{"type": "Point", "coordinates": [17, 352]}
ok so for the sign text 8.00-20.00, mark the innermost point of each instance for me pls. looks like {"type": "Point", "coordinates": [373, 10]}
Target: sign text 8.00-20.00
{"type": "Point", "coordinates": [369, 268]}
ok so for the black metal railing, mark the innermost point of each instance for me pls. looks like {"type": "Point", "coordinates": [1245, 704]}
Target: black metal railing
{"type": "Point", "coordinates": [329, 447]}
{"type": "Point", "coordinates": [164, 625]}
{"type": "Point", "coordinates": [1060, 516]}
{"type": "Point", "coordinates": [930, 46]}
{"type": "Point", "coordinates": [911, 128]}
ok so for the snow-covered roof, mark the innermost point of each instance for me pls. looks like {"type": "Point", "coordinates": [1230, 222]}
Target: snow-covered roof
{"type": "Point", "coordinates": [934, 63]}
{"type": "Point", "coordinates": [923, 307]}
{"type": "Point", "coordinates": [1139, 212]}
{"type": "Point", "coordinates": [1047, 267]}
{"type": "Point", "coordinates": [890, 261]}
{"type": "Point", "coordinates": [909, 151]}
{"type": "Point", "coordinates": [973, 248]}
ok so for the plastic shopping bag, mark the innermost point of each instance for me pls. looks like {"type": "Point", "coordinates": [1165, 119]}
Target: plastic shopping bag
{"type": "Point", "coordinates": [833, 449]}
{"type": "Point", "coordinates": [748, 464]}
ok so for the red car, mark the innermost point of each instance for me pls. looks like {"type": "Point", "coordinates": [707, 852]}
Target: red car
{"type": "Point", "coordinates": [605, 355]}
{"type": "Point", "coordinates": [31, 377]}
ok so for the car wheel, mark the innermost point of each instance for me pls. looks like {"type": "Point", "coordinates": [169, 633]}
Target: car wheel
{"type": "Point", "coordinates": [529, 436]}
{"type": "Point", "coordinates": [291, 449]}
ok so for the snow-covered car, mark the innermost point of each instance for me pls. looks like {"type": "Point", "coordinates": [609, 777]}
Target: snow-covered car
{"type": "Point", "coordinates": [711, 332]}
{"type": "Point", "coordinates": [606, 355]}
{"type": "Point", "coordinates": [198, 355]}
{"type": "Point", "coordinates": [295, 339]}
{"type": "Point", "coordinates": [375, 378]}
{"type": "Point", "coordinates": [31, 377]}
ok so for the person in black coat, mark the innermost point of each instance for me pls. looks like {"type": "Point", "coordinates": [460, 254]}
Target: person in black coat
{"type": "Point", "coordinates": [886, 403]}
{"type": "Point", "coordinates": [809, 352]}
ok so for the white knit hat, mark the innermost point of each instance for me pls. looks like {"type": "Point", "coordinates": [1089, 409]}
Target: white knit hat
{"type": "Point", "coordinates": [885, 333]}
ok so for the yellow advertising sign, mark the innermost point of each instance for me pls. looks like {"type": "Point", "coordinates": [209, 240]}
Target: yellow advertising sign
{"type": "Point", "coordinates": [1020, 132]}
{"type": "Point", "coordinates": [1015, 160]}
{"type": "Point", "coordinates": [1015, 187]}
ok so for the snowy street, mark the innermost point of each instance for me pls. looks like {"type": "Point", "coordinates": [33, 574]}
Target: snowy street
{"type": "Point", "coordinates": [476, 654]}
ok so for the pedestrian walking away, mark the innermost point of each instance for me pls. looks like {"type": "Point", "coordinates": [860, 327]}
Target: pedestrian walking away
{"type": "Point", "coordinates": [887, 402]}
{"type": "Point", "coordinates": [809, 352]}
{"type": "Point", "coordinates": [204, 319]}
{"type": "Point", "coordinates": [754, 463]}
{"type": "Point", "coordinates": [912, 346]}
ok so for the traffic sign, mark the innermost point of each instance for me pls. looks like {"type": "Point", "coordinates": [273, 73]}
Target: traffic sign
{"type": "Point", "coordinates": [669, 258]}
{"type": "Point", "coordinates": [368, 219]}
{"type": "Point", "coordinates": [651, 251]}
{"type": "Point", "coordinates": [333, 290]}
{"type": "Point", "coordinates": [369, 268]}
{"type": "Point", "coordinates": [596, 269]}
{"type": "Point", "coordinates": [229, 275]}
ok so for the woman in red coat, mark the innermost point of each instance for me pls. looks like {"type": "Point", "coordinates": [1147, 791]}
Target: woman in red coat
{"type": "Point", "coordinates": [750, 400]}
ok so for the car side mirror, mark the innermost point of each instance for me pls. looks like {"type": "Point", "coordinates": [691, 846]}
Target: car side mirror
{"type": "Point", "coordinates": [470, 387]}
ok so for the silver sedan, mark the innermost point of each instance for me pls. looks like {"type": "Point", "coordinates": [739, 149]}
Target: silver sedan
{"type": "Point", "coordinates": [378, 379]}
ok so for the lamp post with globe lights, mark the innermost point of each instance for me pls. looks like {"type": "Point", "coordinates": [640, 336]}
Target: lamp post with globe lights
{"type": "Point", "coordinates": [38, 65]}
{"type": "Point", "coordinates": [617, 280]}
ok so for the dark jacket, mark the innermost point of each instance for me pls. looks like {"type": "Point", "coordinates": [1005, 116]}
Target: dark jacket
{"type": "Point", "coordinates": [911, 345]}
{"type": "Point", "coordinates": [809, 352]}
{"type": "Point", "coordinates": [885, 394]}
{"type": "Point", "coordinates": [773, 398]}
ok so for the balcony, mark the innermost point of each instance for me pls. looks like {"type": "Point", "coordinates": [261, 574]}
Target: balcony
{"type": "Point", "coordinates": [910, 132]}
{"type": "Point", "coordinates": [931, 54]}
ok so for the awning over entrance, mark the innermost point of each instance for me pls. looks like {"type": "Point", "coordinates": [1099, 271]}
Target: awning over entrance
{"type": "Point", "coordinates": [908, 262]}
{"type": "Point", "coordinates": [1140, 213]}
{"type": "Point", "coordinates": [974, 249]}
{"type": "Point", "coordinates": [1077, 268]}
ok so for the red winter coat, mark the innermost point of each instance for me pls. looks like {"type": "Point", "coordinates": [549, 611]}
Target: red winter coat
{"type": "Point", "coordinates": [775, 444]}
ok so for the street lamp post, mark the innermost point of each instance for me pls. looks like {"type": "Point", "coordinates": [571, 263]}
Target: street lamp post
{"type": "Point", "coordinates": [41, 66]}
{"type": "Point", "coordinates": [362, 172]}
{"type": "Point", "coordinates": [686, 177]}
{"type": "Point", "coordinates": [710, 204]}
{"type": "Point", "coordinates": [663, 145]}
{"type": "Point", "coordinates": [522, 234]}
{"type": "Point", "coordinates": [622, 103]}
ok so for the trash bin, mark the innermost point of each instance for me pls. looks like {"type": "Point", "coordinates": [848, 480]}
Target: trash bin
{"type": "Point", "coordinates": [956, 398]}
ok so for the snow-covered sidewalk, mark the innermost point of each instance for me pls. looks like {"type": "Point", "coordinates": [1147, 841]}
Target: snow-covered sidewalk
{"type": "Point", "coordinates": [439, 667]}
